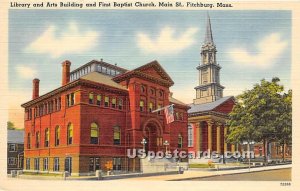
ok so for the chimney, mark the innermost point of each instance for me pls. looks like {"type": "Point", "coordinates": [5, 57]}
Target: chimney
{"type": "Point", "coordinates": [65, 72]}
{"type": "Point", "coordinates": [35, 88]}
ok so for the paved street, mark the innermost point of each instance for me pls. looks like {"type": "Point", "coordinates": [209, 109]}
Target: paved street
{"type": "Point", "coordinates": [270, 175]}
{"type": "Point", "coordinates": [281, 172]}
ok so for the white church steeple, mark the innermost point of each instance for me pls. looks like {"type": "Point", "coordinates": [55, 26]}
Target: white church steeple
{"type": "Point", "coordinates": [209, 88]}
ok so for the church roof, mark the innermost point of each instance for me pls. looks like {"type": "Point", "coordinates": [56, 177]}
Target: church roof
{"type": "Point", "coordinates": [208, 106]}
{"type": "Point", "coordinates": [208, 34]}
{"type": "Point", "coordinates": [15, 136]}
{"type": "Point", "coordinates": [176, 101]}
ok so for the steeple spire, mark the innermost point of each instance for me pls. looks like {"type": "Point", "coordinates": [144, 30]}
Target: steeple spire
{"type": "Point", "coordinates": [208, 35]}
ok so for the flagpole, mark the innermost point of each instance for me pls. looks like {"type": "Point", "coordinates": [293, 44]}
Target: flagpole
{"type": "Point", "coordinates": [162, 108]}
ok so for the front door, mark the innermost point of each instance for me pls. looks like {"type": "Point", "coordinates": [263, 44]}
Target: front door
{"type": "Point", "coordinates": [151, 139]}
{"type": "Point", "coordinates": [68, 164]}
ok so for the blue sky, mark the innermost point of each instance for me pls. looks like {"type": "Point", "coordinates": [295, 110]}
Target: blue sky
{"type": "Point", "coordinates": [251, 45]}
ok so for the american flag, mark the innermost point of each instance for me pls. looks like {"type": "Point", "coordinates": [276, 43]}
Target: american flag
{"type": "Point", "coordinates": [169, 113]}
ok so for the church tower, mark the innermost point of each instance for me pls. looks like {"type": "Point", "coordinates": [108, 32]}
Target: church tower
{"type": "Point", "coordinates": [209, 89]}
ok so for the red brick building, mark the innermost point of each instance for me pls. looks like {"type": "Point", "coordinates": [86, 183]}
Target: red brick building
{"type": "Point", "coordinates": [99, 112]}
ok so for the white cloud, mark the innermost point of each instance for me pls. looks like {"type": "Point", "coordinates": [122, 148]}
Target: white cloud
{"type": "Point", "coordinates": [68, 40]}
{"type": "Point", "coordinates": [166, 42]}
{"type": "Point", "coordinates": [26, 72]}
{"type": "Point", "coordinates": [268, 50]}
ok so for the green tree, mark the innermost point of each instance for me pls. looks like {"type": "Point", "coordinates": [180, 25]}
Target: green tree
{"type": "Point", "coordinates": [284, 122]}
{"type": "Point", "coordinates": [10, 125]}
{"type": "Point", "coordinates": [255, 115]}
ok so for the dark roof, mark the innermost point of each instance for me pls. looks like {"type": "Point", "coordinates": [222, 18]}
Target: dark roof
{"type": "Point", "coordinates": [15, 136]}
{"type": "Point", "coordinates": [208, 106]}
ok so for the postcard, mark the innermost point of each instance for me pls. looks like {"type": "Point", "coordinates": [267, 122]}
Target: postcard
{"type": "Point", "coordinates": [124, 95]}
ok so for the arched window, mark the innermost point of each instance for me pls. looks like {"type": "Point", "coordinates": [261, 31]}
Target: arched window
{"type": "Point", "coordinates": [37, 139]}
{"type": "Point", "coordinates": [117, 135]}
{"type": "Point", "coordinates": [94, 133]}
{"type": "Point", "coordinates": [57, 135]}
{"type": "Point", "coordinates": [159, 107]}
{"type": "Point", "coordinates": [91, 98]}
{"type": "Point", "coordinates": [150, 107]}
{"type": "Point", "coordinates": [28, 141]}
{"type": "Point", "coordinates": [70, 134]}
{"type": "Point", "coordinates": [179, 140]}
{"type": "Point", "coordinates": [142, 105]}
{"type": "Point", "coordinates": [190, 136]}
{"type": "Point", "coordinates": [47, 137]}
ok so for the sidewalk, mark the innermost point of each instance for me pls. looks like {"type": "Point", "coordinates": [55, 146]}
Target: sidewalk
{"type": "Point", "coordinates": [187, 175]}
{"type": "Point", "coordinates": [198, 174]}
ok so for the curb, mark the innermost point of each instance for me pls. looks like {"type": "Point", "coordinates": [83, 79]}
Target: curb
{"type": "Point", "coordinates": [209, 176]}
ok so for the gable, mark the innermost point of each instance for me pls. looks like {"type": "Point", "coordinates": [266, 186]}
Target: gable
{"type": "Point", "coordinates": [225, 107]}
{"type": "Point", "coordinates": [154, 69]}
{"type": "Point", "coordinates": [152, 72]}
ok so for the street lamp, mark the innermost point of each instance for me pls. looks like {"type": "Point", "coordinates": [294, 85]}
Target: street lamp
{"type": "Point", "coordinates": [166, 143]}
{"type": "Point", "coordinates": [144, 142]}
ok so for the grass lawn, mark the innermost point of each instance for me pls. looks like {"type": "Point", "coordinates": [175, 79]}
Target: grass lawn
{"type": "Point", "coordinates": [202, 166]}
{"type": "Point", "coordinates": [43, 174]}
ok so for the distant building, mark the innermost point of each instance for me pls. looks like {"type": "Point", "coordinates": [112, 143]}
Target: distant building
{"type": "Point", "coordinates": [15, 150]}
{"type": "Point", "coordinates": [274, 150]}
{"type": "Point", "coordinates": [99, 111]}
{"type": "Point", "coordinates": [209, 111]}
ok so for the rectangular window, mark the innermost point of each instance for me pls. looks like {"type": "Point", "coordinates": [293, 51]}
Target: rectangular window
{"type": "Point", "coordinates": [116, 163]}
{"type": "Point", "coordinates": [106, 101]}
{"type": "Point", "coordinates": [12, 161]}
{"type": "Point", "coordinates": [177, 116]}
{"type": "Point", "coordinates": [28, 141]}
{"type": "Point", "coordinates": [56, 164]}
{"type": "Point", "coordinates": [91, 98]}
{"type": "Point", "coordinates": [70, 99]}
{"type": "Point", "coordinates": [36, 164]}
{"type": "Point", "coordinates": [181, 116]}
{"type": "Point", "coordinates": [11, 147]}
{"type": "Point", "coordinates": [179, 141]}
{"type": "Point", "coordinates": [114, 103]}
{"type": "Point", "coordinates": [27, 164]}
{"type": "Point", "coordinates": [117, 135]}
{"type": "Point", "coordinates": [120, 104]}
{"type": "Point", "coordinates": [91, 165]}
{"type": "Point", "coordinates": [94, 164]}
{"type": "Point", "coordinates": [59, 104]}
{"type": "Point", "coordinates": [45, 166]}
{"type": "Point", "coordinates": [190, 136]}
{"type": "Point", "coordinates": [98, 99]}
